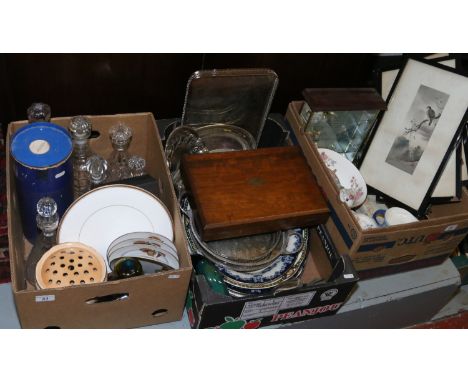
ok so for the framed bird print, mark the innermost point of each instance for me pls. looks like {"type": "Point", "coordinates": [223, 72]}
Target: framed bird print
{"type": "Point", "coordinates": [448, 189]}
{"type": "Point", "coordinates": [413, 140]}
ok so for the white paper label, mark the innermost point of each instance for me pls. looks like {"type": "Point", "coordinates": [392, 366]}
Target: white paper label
{"type": "Point", "coordinates": [39, 147]}
{"type": "Point", "coordinates": [452, 227]}
{"type": "Point", "coordinates": [60, 174]}
{"type": "Point", "coordinates": [45, 298]}
{"type": "Point", "coordinates": [348, 276]}
{"type": "Point", "coordinates": [297, 300]}
{"type": "Point", "coordinates": [263, 308]}
{"type": "Point", "coordinates": [173, 276]}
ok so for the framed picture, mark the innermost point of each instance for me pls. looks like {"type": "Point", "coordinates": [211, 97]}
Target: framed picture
{"type": "Point", "coordinates": [413, 140]}
{"type": "Point", "coordinates": [449, 187]}
{"type": "Point", "coordinates": [388, 77]}
{"type": "Point", "coordinates": [464, 158]}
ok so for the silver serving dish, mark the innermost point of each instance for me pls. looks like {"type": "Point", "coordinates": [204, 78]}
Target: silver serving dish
{"type": "Point", "coordinates": [221, 137]}
{"type": "Point", "coordinates": [182, 140]}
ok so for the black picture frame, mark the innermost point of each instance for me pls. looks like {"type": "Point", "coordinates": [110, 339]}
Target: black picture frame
{"type": "Point", "coordinates": [458, 181]}
{"type": "Point", "coordinates": [378, 73]}
{"type": "Point", "coordinates": [422, 210]}
{"type": "Point", "coordinates": [465, 149]}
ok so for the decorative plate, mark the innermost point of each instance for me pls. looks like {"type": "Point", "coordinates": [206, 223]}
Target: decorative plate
{"type": "Point", "coordinates": [140, 236]}
{"type": "Point", "coordinates": [289, 281]}
{"type": "Point", "coordinates": [146, 242]}
{"type": "Point", "coordinates": [145, 252]}
{"type": "Point", "coordinates": [353, 188]}
{"type": "Point", "coordinates": [273, 272]}
{"type": "Point", "coordinates": [102, 215]}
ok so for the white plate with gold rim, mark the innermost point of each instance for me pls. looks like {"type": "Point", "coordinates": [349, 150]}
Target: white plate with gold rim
{"type": "Point", "coordinates": [102, 215]}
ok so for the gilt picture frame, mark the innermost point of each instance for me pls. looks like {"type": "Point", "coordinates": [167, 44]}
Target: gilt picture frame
{"type": "Point", "coordinates": [414, 138]}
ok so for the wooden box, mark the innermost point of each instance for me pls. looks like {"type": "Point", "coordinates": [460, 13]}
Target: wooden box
{"type": "Point", "coordinates": [251, 192]}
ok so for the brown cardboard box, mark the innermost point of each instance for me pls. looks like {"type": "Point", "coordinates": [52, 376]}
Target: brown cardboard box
{"type": "Point", "coordinates": [144, 300]}
{"type": "Point", "coordinates": [328, 279]}
{"type": "Point", "coordinates": [436, 236]}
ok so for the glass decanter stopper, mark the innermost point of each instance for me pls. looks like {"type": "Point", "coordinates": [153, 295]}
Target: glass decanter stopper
{"type": "Point", "coordinates": [47, 221]}
{"type": "Point", "coordinates": [97, 170]}
{"type": "Point", "coordinates": [136, 164]}
{"type": "Point", "coordinates": [80, 129]}
{"type": "Point", "coordinates": [121, 137]}
{"type": "Point", "coordinates": [39, 111]}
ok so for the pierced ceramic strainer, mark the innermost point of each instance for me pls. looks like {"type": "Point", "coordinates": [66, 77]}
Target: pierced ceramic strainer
{"type": "Point", "coordinates": [70, 264]}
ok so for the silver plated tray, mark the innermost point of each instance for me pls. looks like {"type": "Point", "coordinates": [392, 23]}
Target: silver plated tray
{"type": "Point", "coordinates": [246, 253]}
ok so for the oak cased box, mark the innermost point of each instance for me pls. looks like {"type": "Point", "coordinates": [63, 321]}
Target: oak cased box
{"type": "Point", "coordinates": [240, 193]}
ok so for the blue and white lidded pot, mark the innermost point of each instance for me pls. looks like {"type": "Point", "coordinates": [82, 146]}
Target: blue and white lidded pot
{"type": "Point", "coordinates": [43, 167]}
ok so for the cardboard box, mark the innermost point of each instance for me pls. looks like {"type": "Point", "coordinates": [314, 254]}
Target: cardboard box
{"type": "Point", "coordinates": [138, 301]}
{"type": "Point", "coordinates": [207, 309]}
{"type": "Point", "coordinates": [436, 236]}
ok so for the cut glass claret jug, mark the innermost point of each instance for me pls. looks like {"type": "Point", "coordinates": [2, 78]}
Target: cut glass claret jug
{"type": "Point", "coordinates": [47, 222]}
{"type": "Point", "coordinates": [39, 112]}
{"type": "Point", "coordinates": [97, 168]}
{"type": "Point", "coordinates": [121, 137]}
{"type": "Point", "coordinates": [80, 129]}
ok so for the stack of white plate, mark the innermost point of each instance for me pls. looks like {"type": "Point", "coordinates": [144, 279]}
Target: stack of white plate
{"type": "Point", "coordinates": [154, 251]}
{"type": "Point", "coordinates": [122, 221]}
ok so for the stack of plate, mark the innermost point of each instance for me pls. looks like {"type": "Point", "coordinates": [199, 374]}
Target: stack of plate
{"type": "Point", "coordinates": [252, 264]}
{"type": "Point", "coordinates": [155, 252]}
{"type": "Point", "coordinates": [122, 221]}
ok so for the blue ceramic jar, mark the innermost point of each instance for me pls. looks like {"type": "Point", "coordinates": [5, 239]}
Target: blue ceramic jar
{"type": "Point", "coordinates": [43, 167]}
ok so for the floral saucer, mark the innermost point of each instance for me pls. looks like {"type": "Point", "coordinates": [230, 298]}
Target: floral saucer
{"type": "Point", "coordinates": [351, 184]}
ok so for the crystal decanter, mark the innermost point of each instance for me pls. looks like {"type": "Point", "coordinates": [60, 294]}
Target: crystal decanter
{"type": "Point", "coordinates": [136, 164]}
{"type": "Point", "coordinates": [80, 129]}
{"type": "Point", "coordinates": [47, 221]}
{"type": "Point", "coordinates": [121, 137]}
{"type": "Point", "coordinates": [39, 112]}
{"type": "Point", "coordinates": [97, 170]}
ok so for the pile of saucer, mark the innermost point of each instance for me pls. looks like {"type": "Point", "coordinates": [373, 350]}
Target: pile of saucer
{"type": "Point", "coordinates": [155, 252]}
{"type": "Point", "coordinates": [255, 264]}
